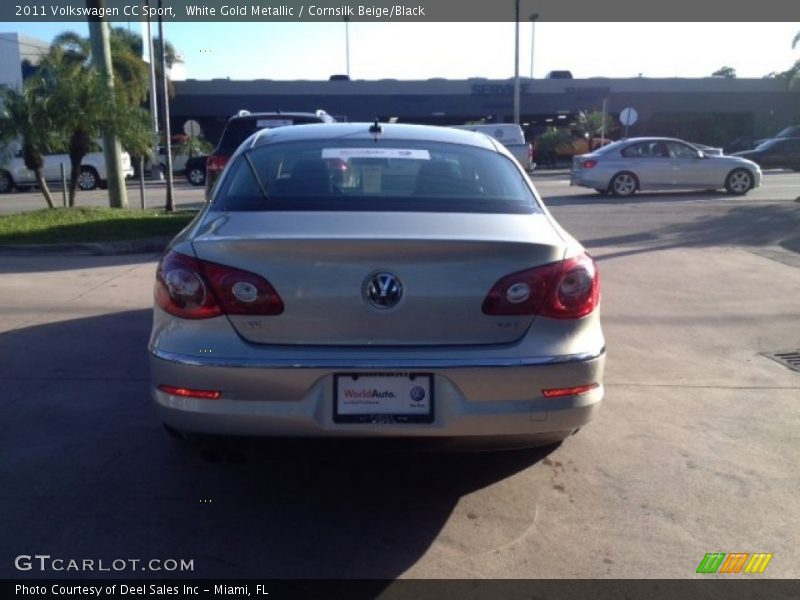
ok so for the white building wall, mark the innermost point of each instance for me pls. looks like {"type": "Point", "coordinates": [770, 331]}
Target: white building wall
{"type": "Point", "coordinates": [10, 60]}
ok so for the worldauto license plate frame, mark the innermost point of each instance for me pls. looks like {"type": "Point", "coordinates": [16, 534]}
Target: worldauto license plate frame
{"type": "Point", "coordinates": [412, 400]}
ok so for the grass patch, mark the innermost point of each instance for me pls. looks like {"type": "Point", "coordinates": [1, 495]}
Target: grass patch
{"type": "Point", "coordinates": [90, 224]}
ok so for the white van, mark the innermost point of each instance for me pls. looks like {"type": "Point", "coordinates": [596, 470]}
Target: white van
{"type": "Point", "coordinates": [508, 134]}
{"type": "Point", "coordinates": [93, 173]}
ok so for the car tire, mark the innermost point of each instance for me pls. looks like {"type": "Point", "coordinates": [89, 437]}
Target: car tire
{"type": "Point", "coordinates": [88, 179]}
{"type": "Point", "coordinates": [624, 184]}
{"type": "Point", "coordinates": [196, 176]}
{"type": "Point", "coordinates": [6, 183]}
{"type": "Point", "coordinates": [739, 182]}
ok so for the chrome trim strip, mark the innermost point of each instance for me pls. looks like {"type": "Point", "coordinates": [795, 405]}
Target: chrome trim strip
{"type": "Point", "coordinates": [372, 363]}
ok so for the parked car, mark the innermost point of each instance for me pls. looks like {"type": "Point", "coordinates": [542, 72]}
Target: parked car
{"type": "Point", "coordinates": [750, 142]}
{"type": "Point", "coordinates": [708, 150]}
{"type": "Point", "coordinates": [428, 294]}
{"type": "Point", "coordinates": [93, 172]}
{"type": "Point", "coordinates": [626, 166]}
{"type": "Point", "coordinates": [777, 153]}
{"type": "Point", "coordinates": [559, 75]}
{"type": "Point", "coordinates": [195, 170]}
{"type": "Point", "coordinates": [789, 132]}
{"type": "Point", "coordinates": [744, 142]}
{"type": "Point", "coordinates": [178, 160]}
{"type": "Point", "coordinates": [511, 136]}
{"type": "Point", "coordinates": [243, 125]}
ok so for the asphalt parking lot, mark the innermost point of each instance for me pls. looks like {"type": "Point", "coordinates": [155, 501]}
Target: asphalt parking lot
{"type": "Point", "coordinates": [694, 451]}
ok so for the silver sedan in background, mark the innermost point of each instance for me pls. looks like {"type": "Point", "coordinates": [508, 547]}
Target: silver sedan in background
{"type": "Point", "coordinates": [630, 165]}
{"type": "Point", "coordinates": [362, 280]}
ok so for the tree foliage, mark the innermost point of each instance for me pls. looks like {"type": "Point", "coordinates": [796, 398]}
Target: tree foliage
{"type": "Point", "coordinates": [25, 120]}
{"type": "Point", "coordinates": [726, 72]}
{"type": "Point", "coordinates": [86, 106]}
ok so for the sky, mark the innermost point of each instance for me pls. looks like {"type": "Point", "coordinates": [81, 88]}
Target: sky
{"type": "Point", "coordinates": [314, 51]}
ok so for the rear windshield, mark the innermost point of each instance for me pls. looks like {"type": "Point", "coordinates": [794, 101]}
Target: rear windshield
{"type": "Point", "coordinates": [239, 129]}
{"type": "Point", "coordinates": [359, 175]}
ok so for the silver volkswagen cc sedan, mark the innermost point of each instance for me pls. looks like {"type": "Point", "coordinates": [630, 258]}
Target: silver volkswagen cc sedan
{"type": "Point", "coordinates": [376, 280]}
{"type": "Point", "coordinates": [655, 163]}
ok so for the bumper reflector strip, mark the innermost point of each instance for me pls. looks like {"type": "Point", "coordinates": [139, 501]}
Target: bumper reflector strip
{"type": "Point", "coordinates": [189, 393]}
{"type": "Point", "coordinates": [570, 391]}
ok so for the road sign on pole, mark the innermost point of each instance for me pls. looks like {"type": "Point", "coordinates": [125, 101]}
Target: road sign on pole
{"type": "Point", "coordinates": [628, 117]}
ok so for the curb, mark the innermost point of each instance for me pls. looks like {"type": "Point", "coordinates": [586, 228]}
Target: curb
{"type": "Point", "coordinates": [147, 245]}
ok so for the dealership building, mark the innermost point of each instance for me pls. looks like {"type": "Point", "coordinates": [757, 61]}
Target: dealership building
{"type": "Point", "coordinates": [707, 110]}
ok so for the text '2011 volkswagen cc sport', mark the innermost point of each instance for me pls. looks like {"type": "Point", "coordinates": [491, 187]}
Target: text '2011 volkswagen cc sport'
{"type": "Point", "coordinates": [376, 280]}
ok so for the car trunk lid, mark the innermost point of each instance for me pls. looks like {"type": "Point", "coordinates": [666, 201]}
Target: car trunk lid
{"type": "Point", "coordinates": [321, 264]}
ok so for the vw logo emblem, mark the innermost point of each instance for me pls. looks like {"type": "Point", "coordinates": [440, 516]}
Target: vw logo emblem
{"type": "Point", "coordinates": [417, 394]}
{"type": "Point", "coordinates": [383, 290]}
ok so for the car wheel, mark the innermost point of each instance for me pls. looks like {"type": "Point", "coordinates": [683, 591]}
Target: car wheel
{"type": "Point", "coordinates": [196, 176]}
{"type": "Point", "coordinates": [624, 184]}
{"type": "Point", "coordinates": [6, 183]}
{"type": "Point", "coordinates": [739, 182]}
{"type": "Point", "coordinates": [87, 179]}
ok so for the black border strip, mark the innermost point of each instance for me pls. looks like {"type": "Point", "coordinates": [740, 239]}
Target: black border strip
{"type": "Point", "coordinates": [410, 11]}
{"type": "Point", "coordinates": [732, 587]}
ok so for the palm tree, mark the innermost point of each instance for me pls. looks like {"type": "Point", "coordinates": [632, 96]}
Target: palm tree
{"type": "Point", "coordinates": [592, 124]}
{"type": "Point", "coordinates": [792, 74]}
{"type": "Point", "coordinates": [86, 107]}
{"type": "Point", "coordinates": [25, 117]}
{"type": "Point", "coordinates": [130, 71]}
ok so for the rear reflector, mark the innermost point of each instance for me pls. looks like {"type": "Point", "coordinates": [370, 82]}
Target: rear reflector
{"type": "Point", "coordinates": [190, 393]}
{"type": "Point", "coordinates": [569, 391]}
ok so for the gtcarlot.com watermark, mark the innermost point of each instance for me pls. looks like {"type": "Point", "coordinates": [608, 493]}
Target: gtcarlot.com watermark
{"type": "Point", "coordinates": [44, 563]}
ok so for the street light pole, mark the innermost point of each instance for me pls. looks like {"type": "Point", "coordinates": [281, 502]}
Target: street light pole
{"type": "Point", "coordinates": [155, 164]}
{"type": "Point", "coordinates": [516, 62]}
{"type": "Point", "coordinates": [165, 117]}
{"type": "Point", "coordinates": [532, 19]}
{"type": "Point", "coordinates": [347, 43]}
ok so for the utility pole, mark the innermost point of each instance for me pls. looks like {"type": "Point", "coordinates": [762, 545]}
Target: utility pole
{"type": "Point", "coordinates": [533, 18]}
{"type": "Point", "coordinates": [347, 43]}
{"type": "Point", "coordinates": [112, 150]}
{"type": "Point", "coordinates": [155, 164]}
{"type": "Point", "coordinates": [516, 62]}
{"type": "Point", "coordinates": [167, 137]}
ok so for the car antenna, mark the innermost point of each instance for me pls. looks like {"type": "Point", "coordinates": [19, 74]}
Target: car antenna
{"type": "Point", "coordinates": [375, 129]}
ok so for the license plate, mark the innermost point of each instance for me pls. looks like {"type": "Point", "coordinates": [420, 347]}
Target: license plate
{"type": "Point", "coordinates": [383, 398]}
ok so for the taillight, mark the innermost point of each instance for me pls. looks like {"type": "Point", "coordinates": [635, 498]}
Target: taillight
{"type": "Point", "coordinates": [196, 289]}
{"type": "Point", "coordinates": [589, 164]}
{"type": "Point", "coordinates": [216, 162]}
{"type": "Point", "coordinates": [569, 289]}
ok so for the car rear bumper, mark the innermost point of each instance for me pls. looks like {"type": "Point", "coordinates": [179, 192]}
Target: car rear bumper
{"type": "Point", "coordinates": [585, 178]}
{"type": "Point", "coordinates": [494, 399]}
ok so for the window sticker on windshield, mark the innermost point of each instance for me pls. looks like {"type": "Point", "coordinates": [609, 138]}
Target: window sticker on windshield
{"type": "Point", "coordinates": [345, 153]}
{"type": "Point", "coordinates": [273, 122]}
